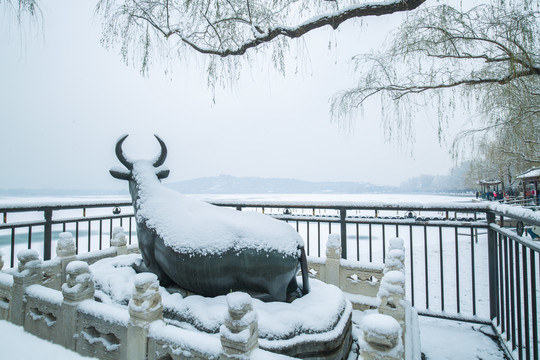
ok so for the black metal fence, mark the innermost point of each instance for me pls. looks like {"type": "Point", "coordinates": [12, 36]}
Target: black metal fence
{"type": "Point", "coordinates": [37, 226]}
{"type": "Point", "coordinates": [463, 261]}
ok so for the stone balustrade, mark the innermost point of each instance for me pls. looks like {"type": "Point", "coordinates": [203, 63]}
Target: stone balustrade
{"type": "Point", "coordinates": [55, 301]}
{"type": "Point", "coordinates": [359, 280]}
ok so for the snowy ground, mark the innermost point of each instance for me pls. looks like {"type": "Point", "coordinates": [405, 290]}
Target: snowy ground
{"type": "Point", "coordinates": [440, 339]}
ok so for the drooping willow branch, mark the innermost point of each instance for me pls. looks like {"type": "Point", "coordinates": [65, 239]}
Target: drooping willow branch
{"type": "Point", "coordinates": [334, 20]}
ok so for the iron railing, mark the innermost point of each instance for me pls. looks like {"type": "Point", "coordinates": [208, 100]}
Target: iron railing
{"type": "Point", "coordinates": [463, 261]}
{"type": "Point", "coordinates": [37, 226]}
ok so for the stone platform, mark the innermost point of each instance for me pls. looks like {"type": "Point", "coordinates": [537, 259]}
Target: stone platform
{"type": "Point", "coordinates": [316, 326]}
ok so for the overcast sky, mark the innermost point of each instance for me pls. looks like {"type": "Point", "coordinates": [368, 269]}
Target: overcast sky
{"type": "Point", "coordinates": [64, 100]}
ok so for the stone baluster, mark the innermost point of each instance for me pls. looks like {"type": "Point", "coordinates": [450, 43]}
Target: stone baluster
{"type": "Point", "coordinates": [382, 338]}
{"type": "Point", "coordinates": [79, 286]}
{"type": "Point", "coordinates": [333, 258]}
{"type": "Point", "coordinates": [119, 240]}
{"type": "Point", "coordinates": [240, 332]}
{"type": "Point", "coordinates": [395, 261]}
{"type": "Point", "coordinates": [395, 257]}
{"type": "Point", "coordinates": [396, 243]}
{"type": "Point", "coordinates": [29, 272]}
{"type": "Point", "coordinates": [391, 293]}
{"type": "Point", "coordinates": [65, 250]}
{"type": "Point", "coordinates": [144, 307]}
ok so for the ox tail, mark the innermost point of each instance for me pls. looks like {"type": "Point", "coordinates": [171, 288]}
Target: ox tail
{"type": "Point", "coordinates": [304, 268]}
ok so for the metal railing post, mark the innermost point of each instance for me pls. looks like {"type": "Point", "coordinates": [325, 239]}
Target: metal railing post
{"type": "Point", "coordinates": [47, 234]}
{"type": "Point", "coordinates": [493, 267]}
{"type": "Point", "coordinates": [343, 222]}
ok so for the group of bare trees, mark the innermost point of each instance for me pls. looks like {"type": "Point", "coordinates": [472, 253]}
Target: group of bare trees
{"type": "Point", "coordinates": [483, 60]}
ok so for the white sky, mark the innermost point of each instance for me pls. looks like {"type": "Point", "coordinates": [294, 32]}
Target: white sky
{"type": "Point", "coordinates": [64, 100]}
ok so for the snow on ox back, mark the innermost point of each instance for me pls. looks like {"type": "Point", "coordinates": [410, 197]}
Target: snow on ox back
{"type": "Point", "coordinates": [191, 226]}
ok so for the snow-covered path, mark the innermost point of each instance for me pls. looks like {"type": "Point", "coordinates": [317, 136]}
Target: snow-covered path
{"type": "Point", "coordinates": [440, 339]}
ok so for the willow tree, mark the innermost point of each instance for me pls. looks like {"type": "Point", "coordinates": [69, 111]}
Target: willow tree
{"type": "Point", "coordinates": [22, 8]}
{"type": "Point", "coordinates": [229, 32]}
{"type": "Point", "coordinates": [484, 61]}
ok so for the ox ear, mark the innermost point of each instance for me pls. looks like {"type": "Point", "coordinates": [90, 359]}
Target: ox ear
{"type": "Point", "coordinates": [162, 172]}
{"type": "Point", "coordinates": [119, 173]}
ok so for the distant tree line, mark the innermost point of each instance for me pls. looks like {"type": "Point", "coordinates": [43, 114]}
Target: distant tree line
{"type": "Point", "coordinates": [458, 181]}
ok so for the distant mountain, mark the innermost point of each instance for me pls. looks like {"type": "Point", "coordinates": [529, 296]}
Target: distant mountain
{"type": "Point", "coordinates": [226, 184]}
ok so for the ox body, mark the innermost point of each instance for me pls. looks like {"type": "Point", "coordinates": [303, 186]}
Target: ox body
{"type": "Point", "coordinates": [206, 249]}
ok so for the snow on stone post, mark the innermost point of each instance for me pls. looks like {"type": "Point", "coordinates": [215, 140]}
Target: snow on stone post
{"type": "Point", "coordinates": [79, 286]}
{"type": "Point", "coordinates": [119, 240]}
{"type": "Point", "coordinates": [391, 293]}
{"type": "Point", "coordinates": [395, 258]}
{"type": "Point", "coordinates": [333, 259]}
{"type": "Point", "coordinates": [144, 307]}
{"type": "Point", "coordinates": [240, 332]}
{"type": "Point", "coordinates": [65, 250]}
{"type": "Point", "coordinates": [28, 273]}
{"type": "Point", "coordinates": [382, 338]}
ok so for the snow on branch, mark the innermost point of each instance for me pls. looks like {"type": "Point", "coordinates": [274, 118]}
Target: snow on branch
{"type": "Point", "coordinates": [228, 27]}
{"type": "Point", "coordinates": [333, 19]}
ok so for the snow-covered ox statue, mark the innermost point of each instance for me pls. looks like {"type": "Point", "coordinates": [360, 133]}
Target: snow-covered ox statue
{"type": "Point", "coordinates": [206, 249]}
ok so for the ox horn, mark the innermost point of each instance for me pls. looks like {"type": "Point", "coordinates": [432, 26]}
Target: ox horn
{"type": "Point", "coordinates": [120, 154]}
{"type": "Point", "coordinates": [162, 155]}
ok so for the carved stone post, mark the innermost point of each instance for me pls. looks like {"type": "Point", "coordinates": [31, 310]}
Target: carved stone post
{"type": "Point", "coordinates": [240, 333]}
{"type": "Point", "coordinates": [396, 243]}
{"type": "Point", "coordinates": [119, 240]}
{"type": "Point", "coordinates": [391, 293]}
{"type": "Point", "coordinates": [144, 308]}
{"type": "Point", "coordinates": [395, 261]}
{"type": "Point", "coordinates": [382, 338]}
{"type": "Point", "coordinates": [65, 250]}
{"type": "Point", "coordinates": [333, 258]}
{"type": "Point", "coordinates": [79, 286]}
{"type": "Point", "coordinates": [28, 273]}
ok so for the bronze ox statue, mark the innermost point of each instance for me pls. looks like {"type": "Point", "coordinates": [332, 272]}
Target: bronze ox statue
{"type": "Point", "coordinates": [206, 249]}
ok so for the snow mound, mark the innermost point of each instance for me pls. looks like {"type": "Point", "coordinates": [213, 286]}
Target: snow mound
{"type": "Point", "coordinates": [380, 324]}
{"type": "Point", "coordinates": [317, 312]}
{"type": "Point", "coordinates": [314, 313]}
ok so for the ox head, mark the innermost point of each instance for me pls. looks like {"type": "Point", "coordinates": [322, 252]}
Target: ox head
{"type": "Point", "coordinates": [126, 174]}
